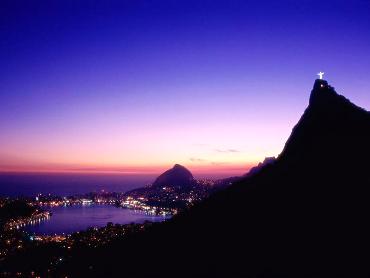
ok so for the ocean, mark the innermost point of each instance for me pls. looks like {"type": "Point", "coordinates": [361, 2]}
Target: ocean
{"type": "Point", "coordinates": [66, 184]}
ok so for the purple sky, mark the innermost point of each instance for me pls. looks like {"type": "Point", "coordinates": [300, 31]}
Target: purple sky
{"type": "Point", "coordinates": [136, 86]}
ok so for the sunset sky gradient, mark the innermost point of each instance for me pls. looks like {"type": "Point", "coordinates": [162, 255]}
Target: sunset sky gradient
{"type": "Point", "coordinates": [137, 86]}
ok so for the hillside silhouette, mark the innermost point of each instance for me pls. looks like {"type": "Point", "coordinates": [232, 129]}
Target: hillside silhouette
{"type": "Point", "coordinates": [178, 175]}
{"type": "Point", "coordinates": [175, 188]}
{"type": "Point", "coordinates": [303, 215]}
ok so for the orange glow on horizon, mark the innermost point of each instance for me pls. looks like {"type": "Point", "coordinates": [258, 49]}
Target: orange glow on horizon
{"type": "Point", "coordinates": [222, 170]}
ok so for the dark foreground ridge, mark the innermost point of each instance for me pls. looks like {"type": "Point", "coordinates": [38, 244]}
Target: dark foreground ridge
{"type": "Point", "coordinates": [305, 214]}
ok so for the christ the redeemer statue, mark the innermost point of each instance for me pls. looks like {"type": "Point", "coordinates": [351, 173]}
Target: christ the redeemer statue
{"type": "Point", "coordinates": [320, 74]}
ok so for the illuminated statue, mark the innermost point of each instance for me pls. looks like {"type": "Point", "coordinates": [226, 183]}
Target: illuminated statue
{"type": "Point", "coordinates": [320, 74]}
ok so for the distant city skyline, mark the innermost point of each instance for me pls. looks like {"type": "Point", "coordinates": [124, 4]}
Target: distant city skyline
{"type": "Point", "coordinates": [136, 86]}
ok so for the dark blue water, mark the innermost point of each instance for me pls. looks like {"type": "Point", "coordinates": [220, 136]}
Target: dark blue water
{"type": "Point", "coordinates": [76, 218]}
{"type": "Point", "coordinates": [68, 184]}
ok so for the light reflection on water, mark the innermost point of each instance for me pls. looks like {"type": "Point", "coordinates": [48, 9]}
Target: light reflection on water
{"type": "Point", "coordinates": [68, 219]}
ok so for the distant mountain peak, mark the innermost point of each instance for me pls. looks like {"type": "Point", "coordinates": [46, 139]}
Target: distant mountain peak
{"type": "Point", "coordinates": [178, 175]}
{"type": "Point", "coordinates": [258, 168]}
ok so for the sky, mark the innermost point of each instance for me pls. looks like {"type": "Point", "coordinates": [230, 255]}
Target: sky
{"type": "Point", "coordinates": [137, 86]}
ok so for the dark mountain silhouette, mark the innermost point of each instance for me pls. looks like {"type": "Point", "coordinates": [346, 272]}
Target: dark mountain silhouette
{"type": "Point", "coordinates": [256, 169]}
{"type": "Point", "coordinates": [176, 176]}
{"type": "Point", "coordinates": [305, 215]}
{"type": "Point", "coordinates": [177, 189]}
